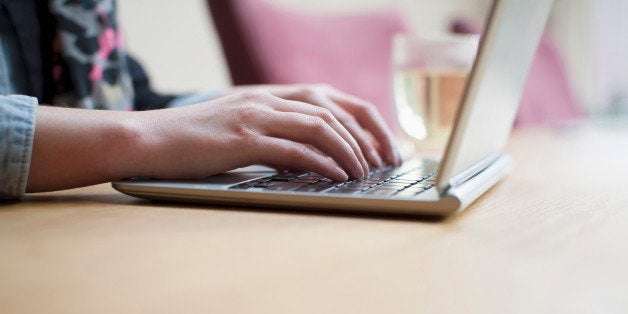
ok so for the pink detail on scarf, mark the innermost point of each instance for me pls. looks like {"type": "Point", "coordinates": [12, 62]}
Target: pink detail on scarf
{"type": "Point", "coordinates": [107, 43]}
{"type": "Point", "coordinates": [96, 73]}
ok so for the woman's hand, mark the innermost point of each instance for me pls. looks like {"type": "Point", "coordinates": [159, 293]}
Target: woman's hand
{"type": "Point", "coordinates": [358, 116]}
{"type": "Point", "coordinates": [316, 130]}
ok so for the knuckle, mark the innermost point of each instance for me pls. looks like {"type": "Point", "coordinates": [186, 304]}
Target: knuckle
{"type": "Point", "coordinates": [248, 124]}
{"type": "Point", "coordinates": [248, 114]}
{"type": "Point", "coordinates": [326, 115]}
{"type": "Point", "coordinates": [317, 124]}
{"type": "Point", "coordinates": [244, 134]}
{"type": "Point", "coordinates": [347, 120]}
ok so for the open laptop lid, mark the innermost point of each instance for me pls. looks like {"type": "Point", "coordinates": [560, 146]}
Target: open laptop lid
{"type": "Point", "coordinates": [492, 96]}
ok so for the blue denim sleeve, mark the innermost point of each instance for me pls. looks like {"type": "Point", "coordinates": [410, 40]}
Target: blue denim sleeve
{"type": "Point", "coordinates": [17, 129]}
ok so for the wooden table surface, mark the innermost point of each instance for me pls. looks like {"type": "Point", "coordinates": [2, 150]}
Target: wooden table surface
{"type": "Point", "coordinates": [551, 238]}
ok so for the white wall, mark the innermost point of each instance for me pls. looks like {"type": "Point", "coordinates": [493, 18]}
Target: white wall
{"type": "Point", "coordinates": [571, 23]}
{"type": "Point", "coordinates": [610, 56]}
{"type": "Point", "coordinates": [176, 42]}
{"type": "Point", "coordinates": [593, 39]}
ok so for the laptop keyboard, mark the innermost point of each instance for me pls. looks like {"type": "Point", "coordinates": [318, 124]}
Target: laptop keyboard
{"type": "Point", "coordinates": [407, 180]}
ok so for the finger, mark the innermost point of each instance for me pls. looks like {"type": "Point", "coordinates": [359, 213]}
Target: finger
{"type": "Point", "coordinates": [369, 118]}
{"type": "Point", "coordinates": [285, 153]}
{"type": "Point", "coordinates": [330, 118]}
{"type": "Point", "coordinates": [363, 137]}
{"type": "Point", "coordinates": [315, 131]}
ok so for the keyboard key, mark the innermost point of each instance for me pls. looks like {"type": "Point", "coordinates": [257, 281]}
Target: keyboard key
{"type": "Point", "coordinates": [361, 185]}
{"type": "Point", "coordinates": [324, 184]}
{"type": "Point", "coordinates": [261, 184]}
{"type": "Point", "coordinates": [377, 192]}
{"type": "Point", "coordinates": [314, 188]}
{"type": "Point", "coordinates": [403, 181]}
{"type": "Point", "coordinates": [285, 186]}
{"type": "Point", "coordinates": [421, 185]}
{"type": "Point", "coordinates": [344, 191]}
{"type": "Point", "coordinates": [379, 176]}
{"type": "Point", "coordinates": [288, 176]}
{"type": "Point", "coordinates": [407, 193]}
{"type": "Point", "coordinates": [414, 190]}
{"type": "Point", "coordinates": [413, 176]}
{"type": "Point", "coordinates": [241, 186]}
{"type": "Point", "coordinates": [301, 180]}
{"type": "Point", "coordinates": [392, 185]}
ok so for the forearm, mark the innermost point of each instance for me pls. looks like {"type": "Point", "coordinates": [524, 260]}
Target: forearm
{"type": "Point", "coordinates": [75, 147]}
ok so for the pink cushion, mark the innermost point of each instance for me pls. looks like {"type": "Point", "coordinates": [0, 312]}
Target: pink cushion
{"type": "Point", "coordinates": [351, 53]}
{"type": "Point", "coordinates": [547, 97]}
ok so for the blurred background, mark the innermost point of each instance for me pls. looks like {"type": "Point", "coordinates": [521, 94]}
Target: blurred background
{"type": "Point", "coordinates": [178, 44]}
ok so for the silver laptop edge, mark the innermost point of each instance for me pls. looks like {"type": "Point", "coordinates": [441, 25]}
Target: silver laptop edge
{"type": "Point", "coordinates": [474, 160]}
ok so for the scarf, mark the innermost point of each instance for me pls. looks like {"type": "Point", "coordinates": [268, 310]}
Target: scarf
{"type": "Point", "coordinates": [89, 49]}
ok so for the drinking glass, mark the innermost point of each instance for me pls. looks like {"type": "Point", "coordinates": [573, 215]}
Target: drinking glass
{"type": "Point", "coordinates": [430, 75]}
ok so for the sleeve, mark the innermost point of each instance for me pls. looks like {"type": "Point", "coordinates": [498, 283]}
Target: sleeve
{"type": "Point", "coordinates": [17, 130]}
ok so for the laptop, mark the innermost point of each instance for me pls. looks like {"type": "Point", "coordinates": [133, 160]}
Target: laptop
{"type": "Point", "coordinates": [474, 159]}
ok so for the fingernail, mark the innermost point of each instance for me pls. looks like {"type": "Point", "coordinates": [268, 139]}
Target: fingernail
{"type": "Point", "coordinates": [374, 156]}
{"type": "Point", "coordinates": [398, 155]}
{"type": "Point", "coordinates": [359, 172]}
{"type": "Point", "coordinates": [366, 168]}
{"type": "Point", "coordinates": [398, 152]}
{"type": "Point", "coordinates": [391, 157]}
{"type": "Point", "coordinates": [341, 175]}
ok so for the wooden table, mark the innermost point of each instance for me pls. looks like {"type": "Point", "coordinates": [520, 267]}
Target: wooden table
{"type": "Point", "coordinates": [552, 238]}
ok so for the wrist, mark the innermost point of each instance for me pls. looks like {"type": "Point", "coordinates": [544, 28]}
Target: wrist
{"type": "Point", "coordinates": [131, 134]}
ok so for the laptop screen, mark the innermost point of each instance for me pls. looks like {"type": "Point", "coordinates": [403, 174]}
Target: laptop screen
{"type": "Point", "coordinates": [490, 103]}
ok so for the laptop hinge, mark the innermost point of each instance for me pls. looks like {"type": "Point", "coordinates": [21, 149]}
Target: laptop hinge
{"type": "Point", "coordinates": [473, 171]}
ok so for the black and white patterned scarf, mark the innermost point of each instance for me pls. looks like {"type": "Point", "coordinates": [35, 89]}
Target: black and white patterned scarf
{"type": "Point", "coordinates": [92, 50]}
